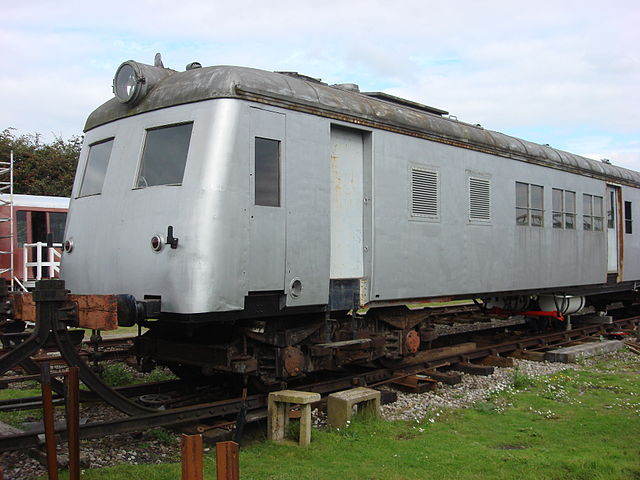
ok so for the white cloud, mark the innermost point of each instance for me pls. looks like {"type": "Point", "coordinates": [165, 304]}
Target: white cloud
{"type": "Point", "coordinates": [560, 68]}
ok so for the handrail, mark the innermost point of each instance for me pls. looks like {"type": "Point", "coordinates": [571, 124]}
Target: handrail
{"type": "Point", "coordinates": [53, 262]}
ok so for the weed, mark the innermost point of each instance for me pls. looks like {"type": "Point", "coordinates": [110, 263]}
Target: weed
{"type": "Point", "coordinates": [117, 375]}
{"type": "Point", "coordinates": [521, 380]}
{"type": "Point", "coordinates": [159, 375]}
{"type": "Point", "coordinates": [162, 436]}
{"type": "Point", "coordinates": [487, 407]}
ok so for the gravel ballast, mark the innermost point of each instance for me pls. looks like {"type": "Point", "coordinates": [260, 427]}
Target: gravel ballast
{"type": "Point", "coordinates": [473, 388]}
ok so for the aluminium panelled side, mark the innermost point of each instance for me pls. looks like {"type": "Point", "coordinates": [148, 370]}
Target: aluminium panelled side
{"type": "Point", "coordinates": [228, 245]}
{"type": "Point", "coordinates": [289, 232]}
{"type": "Point", "coordinates": [444, 253]}
{"type": "Point", "coordinates": [267, 218]}
{"type": "Point", "coordinates": [307, 209]}
{"type": "Point", "coordinates": [631, 233]}
{"type": "Point", "coordinates": [112, 252]}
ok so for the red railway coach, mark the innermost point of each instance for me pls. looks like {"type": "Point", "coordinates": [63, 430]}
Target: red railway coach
{"type": "Point", "coordinates": [28, 226]}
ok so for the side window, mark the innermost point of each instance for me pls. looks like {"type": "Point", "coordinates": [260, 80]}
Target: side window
{"type": "Point", "coordinates": [598, 213]}
{"type": "Point", "coordinates": [96, 168]}
{"type": "Point", "coordinates": [267, 172]}
{"type": "Point", "coordinates": [21, 227]}
{"type": "Point", "coordinates": [537, 206]}
{"type": "Point", "coordinates": [628, 220]}
{"type": "Point", "coordinates": [611, 209]}
{"type": "Point", "coordinates": [529, 204]}
{"type": "Point", "coordinates": [425, 194]}
{"type": "Point", "coordinates": [57, 222]}
{"type": "Point", "coordinates": [522, 203]}
{"type": "Point", "coordinates": [564, 209]}
{"type": "Point", "coordinates": [479, 199]}
{"type": "Point", "coordinates": [587, 211]}
{"type": "Point", "coordinates": [556, 208]}
{"type": "Point", "coordinates": [592, 212]}
{"type": "Point", "coordinates": [569, 210]}
{"type": "Point", "coordinates": [165, 155]}
{"type": "Point", "coordinates": [38, 225]}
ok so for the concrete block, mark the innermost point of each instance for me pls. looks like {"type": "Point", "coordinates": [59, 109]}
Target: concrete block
{"type": "Point", "coordinates": [571, 354]}
{"type": "Point", "coordinates": [591, 319]}
{"type": "Point", "coordinates": [340, 405]}
{"type": "Point", "coordinates": [278, 413]}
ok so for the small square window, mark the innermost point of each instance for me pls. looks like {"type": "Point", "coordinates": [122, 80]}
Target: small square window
{"type": "Point", "coordinates": [267, 172]}
{"type": "Point", "coordinates": [628, 220]}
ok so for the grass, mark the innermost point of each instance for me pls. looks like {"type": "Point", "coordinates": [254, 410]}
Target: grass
{"type": "Point", "coordinates": [572, 425]}
{"type": "Point", "coordinates": [17, 418]}
{"type": "Point", "coordinates": [114, 375]}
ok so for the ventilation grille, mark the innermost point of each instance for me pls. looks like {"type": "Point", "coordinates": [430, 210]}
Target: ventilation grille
{"type": "Point", "coordinates": [424, 193]}
{"type": "Point", "coordinates": [479, 199]}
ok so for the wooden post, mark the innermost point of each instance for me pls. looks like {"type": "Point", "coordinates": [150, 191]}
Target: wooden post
{"type": "Point", "coordinates": [228, 461]}
{"type": "Point", "coordinates": [73, 422]}
{"type": "Point", "coordinates": [192, 457]}
{"type": "Point", "coordinates": [49, 427]}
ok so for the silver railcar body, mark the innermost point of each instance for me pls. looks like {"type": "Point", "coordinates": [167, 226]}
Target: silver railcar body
{"type": "Point", "coordinates": [369, 189]}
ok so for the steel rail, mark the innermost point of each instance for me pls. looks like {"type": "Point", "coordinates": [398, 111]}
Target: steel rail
{"type": "Point", "coordinates": [165, 386]}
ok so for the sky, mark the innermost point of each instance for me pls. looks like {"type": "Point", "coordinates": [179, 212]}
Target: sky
{"type": "Point", "coordinates": [563, 72]}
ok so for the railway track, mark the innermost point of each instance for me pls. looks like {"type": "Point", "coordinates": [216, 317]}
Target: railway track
{"type": "Point", "coordinates": [110, 348]}
{"type": "Point", "coordinates": [226, 410]}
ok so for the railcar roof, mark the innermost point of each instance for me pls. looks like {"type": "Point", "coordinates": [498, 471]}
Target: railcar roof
{"type": "Point", "coordinates": [41, 201]}
{"type": "Point", "coordinates": [302, 93]}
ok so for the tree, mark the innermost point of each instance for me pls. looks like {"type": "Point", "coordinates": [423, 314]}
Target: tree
{"type": "Point", "coordinates": [41, 168]}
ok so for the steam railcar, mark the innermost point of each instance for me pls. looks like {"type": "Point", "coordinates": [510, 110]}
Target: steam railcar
{"type": "Point", "coordinates": [261, 208]}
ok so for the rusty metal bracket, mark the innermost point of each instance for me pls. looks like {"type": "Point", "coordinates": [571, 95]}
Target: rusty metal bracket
{"type": "Point", "coordinates": [50, 299]}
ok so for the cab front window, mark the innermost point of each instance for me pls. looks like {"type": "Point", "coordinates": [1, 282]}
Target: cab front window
{"type": "Point", "coordinates": [96, 168]}
{"type": "Point", "coordinates": [164, 156]}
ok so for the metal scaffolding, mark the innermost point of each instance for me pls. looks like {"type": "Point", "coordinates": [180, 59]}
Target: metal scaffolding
{"type": "Point", "coordinates": [6, 200]}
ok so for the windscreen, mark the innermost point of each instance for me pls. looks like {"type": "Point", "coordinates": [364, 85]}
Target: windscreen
{"type": "Point", "coordinates": [165, 155]}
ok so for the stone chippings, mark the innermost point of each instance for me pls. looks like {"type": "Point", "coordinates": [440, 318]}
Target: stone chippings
{"type": "Point", "coordinates": [472, 389]}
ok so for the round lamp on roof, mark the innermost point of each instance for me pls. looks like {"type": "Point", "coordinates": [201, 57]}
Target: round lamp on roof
{"type": "Point", "coordinates": [129, 83]}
